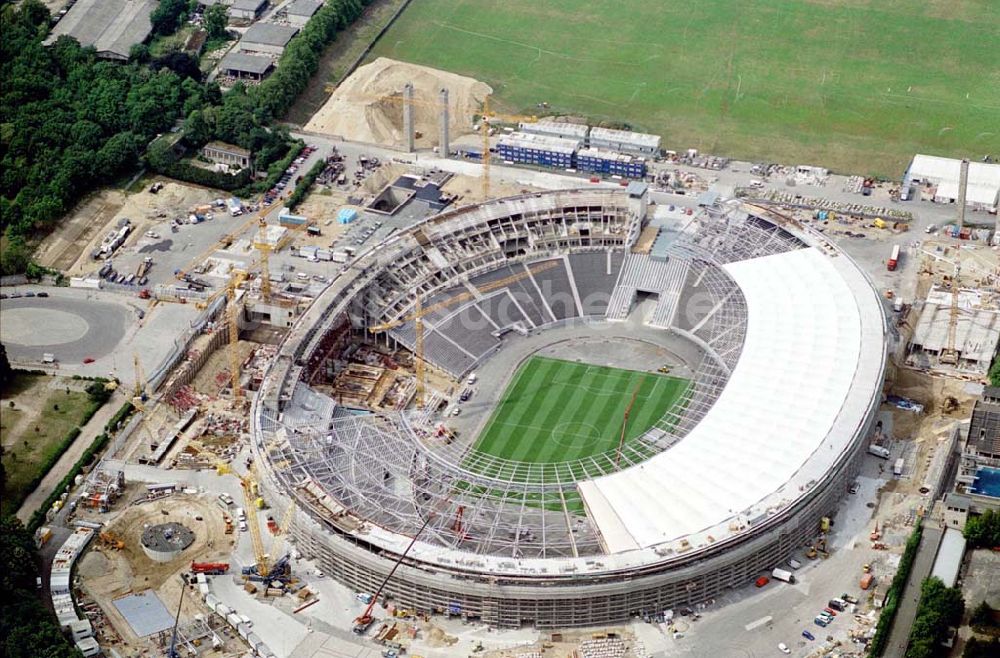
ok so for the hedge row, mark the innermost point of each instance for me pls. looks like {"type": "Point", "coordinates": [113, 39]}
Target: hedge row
{"type": "Point", "coordinates": [98, 444]}
{"type": "Point", "coordinates": [191, 174]}
{"type": "Point", "coordinates": [302, 188]}
{"type": "Point", "coordinates": [892, 598]}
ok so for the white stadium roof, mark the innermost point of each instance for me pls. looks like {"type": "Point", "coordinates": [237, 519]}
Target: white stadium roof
{"type": "Point", "coordinates": [772, 429]}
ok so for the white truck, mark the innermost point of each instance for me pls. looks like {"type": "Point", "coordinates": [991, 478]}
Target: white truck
{"type": "Point", "coordinates": [897, 468]}
{"type": "Point", "coordinates": [794, 564]}
{"type": "Point", "coordinates": [879, 451]}
{"type": "Point", "coordinates": [782, 574]}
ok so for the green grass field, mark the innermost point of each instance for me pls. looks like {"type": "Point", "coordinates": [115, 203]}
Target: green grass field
{"type": "Point", "coordinates": [558, 411]}
{"type": "Point", "coordinates": [855, 85]}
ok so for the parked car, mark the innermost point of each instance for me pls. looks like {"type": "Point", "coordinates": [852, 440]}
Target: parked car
{"type": "Point", "coordinates": [809, 636]}
{"type": "Point", "coordinates": [783, 648]}
{"type": "Point", "coordinates": [43, 294]}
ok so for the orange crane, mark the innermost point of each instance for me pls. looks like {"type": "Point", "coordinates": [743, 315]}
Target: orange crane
{"type": "Point", "coordinates": [234, 334]}
{"type": "Point", "coordinates": [365, 619]}
{"type": "Point", "coordinates": [265, 250]}
{"type": "Point", "coordinates": [628, 411]}
{"type": "Point", "coordinates": [489, 117]}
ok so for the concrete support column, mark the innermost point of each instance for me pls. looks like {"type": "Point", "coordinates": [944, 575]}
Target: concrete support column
{"type": "Point", "coordinates": [444, 147]}
{"type": "Point", "coordinates": [408, 134]}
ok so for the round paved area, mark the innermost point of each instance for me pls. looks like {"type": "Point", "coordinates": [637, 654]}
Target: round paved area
{"type": "Point", "coordinates": [71, 329]}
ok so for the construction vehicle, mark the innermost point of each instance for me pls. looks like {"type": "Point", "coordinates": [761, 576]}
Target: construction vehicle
{"type": "Point", "coordinates": [263, 570]}
{"type": "Point", "coordinates": [111, 541]}
{"type": "Point", "coordinates": [419, 311]}
{"type": "Point", "coordinates": [488, 118]}
{"type": "Point", "coordinates": [867, 580]}
{"type": "Point", "coordinates": [234, 334]}
{"type": "Point", "coordinates": [172, 649]}
{"type": "Point", "coordinates": [143, 267]}
{"type": "Point", "coordinates": [875, 534]}
{"type": "Point", "coordinates": [262, 246]}
{"type": "Point", "coordinates": [210, 568]}
{"type": "Point", "coordinates": [364, 621]}
{"type": "Point", "coordinates": [628, 411]}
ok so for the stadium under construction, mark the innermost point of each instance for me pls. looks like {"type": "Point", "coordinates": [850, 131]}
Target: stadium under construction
{"type": "Point", "coordinates": [779, 335]}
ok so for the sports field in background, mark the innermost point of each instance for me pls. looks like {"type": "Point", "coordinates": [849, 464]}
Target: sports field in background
{"type": "Point", "coordinates": [858, 86]}
{"type": "Point", "coordinates": [557, 411]}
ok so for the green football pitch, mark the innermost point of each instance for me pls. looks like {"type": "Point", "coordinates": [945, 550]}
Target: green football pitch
{"type": "Point", "coordinates": [857, 86]}
{"type": "Point", "coordinates": [558, 411]}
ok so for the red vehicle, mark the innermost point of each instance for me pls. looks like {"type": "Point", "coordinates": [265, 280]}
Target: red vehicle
{"type": "Point", "coordinates": [830, 611]}
{"type": "Point", "coordinates": [893, 259]}
{"type": "Point", "coordinates": [763, 580]}
{"type": "Point", "coordinates": [210, 568]}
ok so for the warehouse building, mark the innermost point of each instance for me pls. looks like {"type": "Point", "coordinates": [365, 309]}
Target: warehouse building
{"type": "Point", "coordinates": [982, 192]}
{"type": "Point", "coordinates": [243, 66]}
{"type": "Point", "coordinates": [538, 150]}
{"type": "Point", "coordinates": [112, 27]}
{"type": "Point", "coordinates": [561, 129]}
{"type": "Point", "coordinates": [300, 11]}
{"type": "Point", "coordinates": [247, 10]}
{"type": "Point", "coordinates": [267, 38]}
{"type": "Point", "coordinates": [625, 141]}
{"type": "Point", "coordinates": [601, 161]}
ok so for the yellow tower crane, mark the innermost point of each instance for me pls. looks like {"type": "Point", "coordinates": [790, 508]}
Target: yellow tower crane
{"type": "Point", "coordinates": [489, 118]}
{"type": "Point", "coordinates": [234, 333]}
{"type": "Point", "coordinates": [419, 311]}
{"type": "Point", "coordinates": [264, 248]}
{"type": "Point", "coordinates": [249, 485]}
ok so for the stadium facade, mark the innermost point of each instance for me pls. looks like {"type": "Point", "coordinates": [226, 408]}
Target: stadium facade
{"type": "Point", "coordinates": [786, 343]}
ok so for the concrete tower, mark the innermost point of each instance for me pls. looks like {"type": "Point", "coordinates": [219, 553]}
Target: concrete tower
{"type": "Point", "coordinates": [408, 134]}
{"type": "Point", "coordinates": [963, 182]}
{"type": "Point", "coordinates": [444, 146]}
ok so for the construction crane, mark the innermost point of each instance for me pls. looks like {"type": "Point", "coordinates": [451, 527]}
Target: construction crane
{"type": "Point", "coordinates": [365, 619]}
{"type": "Point", "coordinates": [234, 334]}
{"type": "Point", "coordinates": [419, 311]}
{"type": "Point", "coordinates": [172, 649]}
{"type": "Point", "coordinates": [264, 248]}
{"type": "Point", "coordinates": [949, 355]}
{"type": "Point", "coordinates": [489, 117]}
{"type": "Point", "coordinates": [249, 485]}
{"type": "Point", "coordinates": [628, 411]}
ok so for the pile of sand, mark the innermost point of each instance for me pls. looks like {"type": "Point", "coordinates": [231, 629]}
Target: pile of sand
{"type": "Point", "coordinates": [368, 106]}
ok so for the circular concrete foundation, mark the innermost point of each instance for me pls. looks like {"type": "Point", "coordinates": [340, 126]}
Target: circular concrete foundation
{"type": "Point", "coordinates": [164, 542]}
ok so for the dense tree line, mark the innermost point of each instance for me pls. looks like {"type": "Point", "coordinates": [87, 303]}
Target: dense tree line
{"type": "Point", "coordinates": [70, 122]}
{"type": "Point", "coordinates": [976, 648]}
{"type": "Point", "coordinates": [940, 608]}
{"type": "Point", "coordinates": [27, 628]}
{"type": "Point", "coordinates": [885, 620]}
{"type": "Point", "coordinates": [983, 531]}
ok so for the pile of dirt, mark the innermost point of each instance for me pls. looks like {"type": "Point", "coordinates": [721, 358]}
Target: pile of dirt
{"type": "Point", "coordinates": [368, 107]}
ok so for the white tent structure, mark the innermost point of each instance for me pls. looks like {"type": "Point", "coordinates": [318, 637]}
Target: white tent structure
{"type": "Point", "coordinates": [983, 186]}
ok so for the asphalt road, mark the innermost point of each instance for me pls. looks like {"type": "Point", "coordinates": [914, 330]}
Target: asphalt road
{"type": "Point", "coordinates": [71, 328]}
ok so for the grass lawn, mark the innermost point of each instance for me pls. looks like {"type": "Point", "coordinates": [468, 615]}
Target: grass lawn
{"type": "Point", "coordinates": [855, 85]}
{"type": "Point", "coordinates": [27, 451]}
{"type": "Point", "coordinates": [557, 411]}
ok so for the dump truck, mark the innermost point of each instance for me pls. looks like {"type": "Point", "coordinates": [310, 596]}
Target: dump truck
{"type": "Point", "coordinates": [210, 568]}
{"type": "Point", "coordinates": [867, 581]}
{"type": "Point", "coordinates": [893, 259]}
{"type": "Point", "coordinates": [782, 574]}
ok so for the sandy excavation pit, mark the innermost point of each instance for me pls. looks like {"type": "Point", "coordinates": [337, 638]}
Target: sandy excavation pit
{"type": "Point", "coordinates": [367, 107]}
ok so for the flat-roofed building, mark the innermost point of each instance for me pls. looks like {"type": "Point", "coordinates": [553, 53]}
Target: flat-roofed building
{"type": "Point", "coordinates": [247, 10]}
{"type": "Point", "coordinates": [556, 129]}
{"type": "Point", "coordinates": [300, 11]}
{"type": "Point", "coordinates": [625, 141]}
{"type": "Point", "coordinates": [112, 27]}
{"type": "Point", "coordinates": [267, 38]}
{"type": "Point", "coordinates": [538, 149]}
{"type": "Point", "coordinates": [224, 153]}
{"type": "Point", "coordinates": [242, 65]}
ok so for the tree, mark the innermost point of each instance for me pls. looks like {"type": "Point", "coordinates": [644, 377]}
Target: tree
{"type": "Point", "coordinates": [940, 608]}
{"type": "Point", "coordinates": [216, 21]}
{"type": "Point", "coordinates": [976, 648]}
{"type": "Point", "coordinates": [167, 16]}
{"type": "Point", "coordinates": [982, 616]}
{"type": "Point", "coordinates": [983, 530]}
{"type": "Point", "coordinates": [6, 372]}
{"type": "Point", "coordinates": [197, 131]}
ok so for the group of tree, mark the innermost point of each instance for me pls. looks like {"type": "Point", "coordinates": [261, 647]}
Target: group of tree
{"type": "Point", "coordinates": [940, 608]}
{"type": "Point", "coordinates": [70, 121]}
{"type": "Point", "coordinates": [983, 530]}
{"type": "Point", "coordinates": [995, 372]}
{"type": "Point", "coordinates": [27, 628]}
